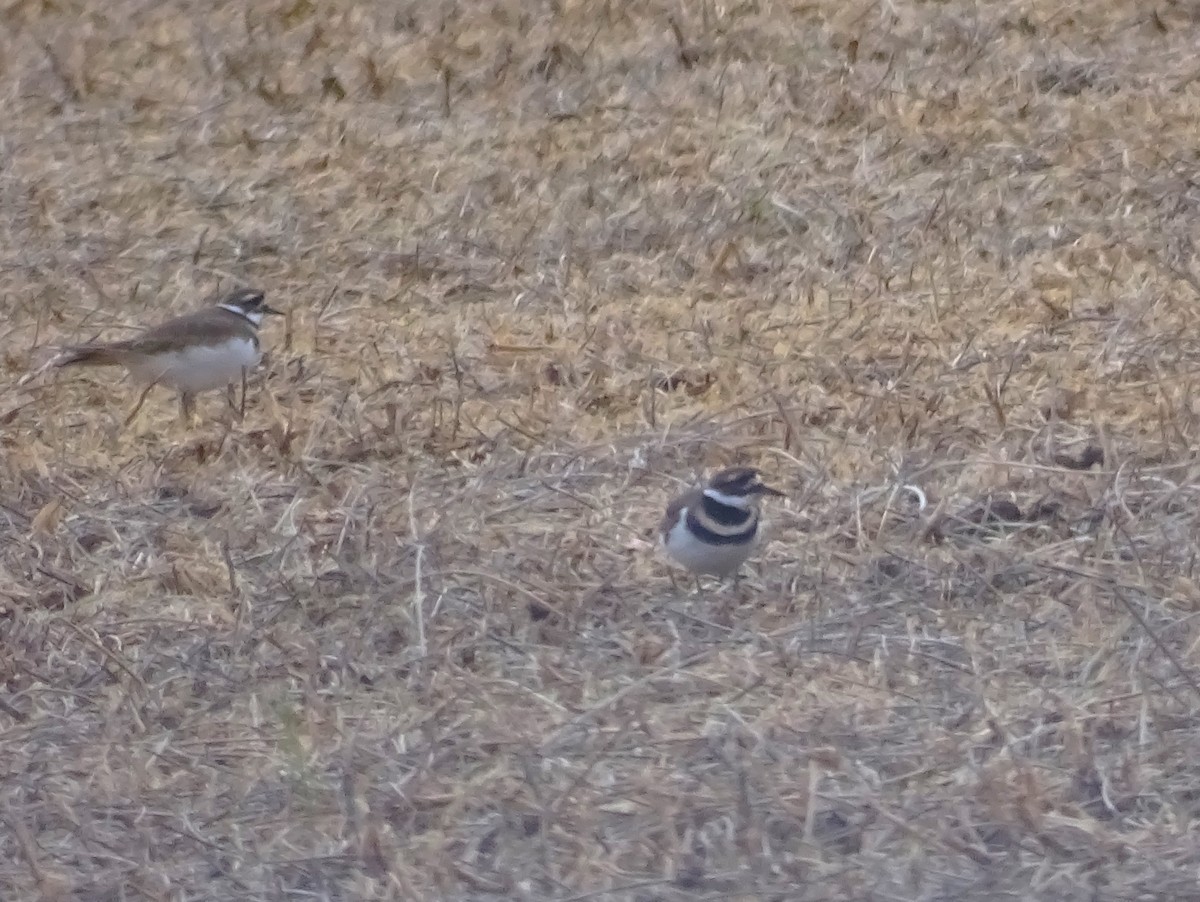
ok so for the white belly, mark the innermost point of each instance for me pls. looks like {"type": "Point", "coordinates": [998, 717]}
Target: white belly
{"type": "Point", "coordinates": [201, 368]}
{"type": "Point", "coordinates": [699, 557]}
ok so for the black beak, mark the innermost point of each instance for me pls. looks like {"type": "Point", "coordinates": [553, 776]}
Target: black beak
{"type": "Point", "coordinates": [269, 310]}
{"type": "Point", "coordinates": [761, 489]}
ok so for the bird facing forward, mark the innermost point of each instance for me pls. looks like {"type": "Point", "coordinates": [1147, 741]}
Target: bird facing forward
{"type": "Point", "coordinates": [713, 529]}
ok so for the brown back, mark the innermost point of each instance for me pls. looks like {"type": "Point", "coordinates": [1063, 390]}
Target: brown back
{"type": "Point", "coordinates": [202, 327]}
{"type": "Point", "coordinates": [688, 499]}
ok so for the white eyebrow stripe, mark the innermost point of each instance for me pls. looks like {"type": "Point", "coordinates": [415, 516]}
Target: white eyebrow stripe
{"type": "Point", "coordinates": [253, 316]}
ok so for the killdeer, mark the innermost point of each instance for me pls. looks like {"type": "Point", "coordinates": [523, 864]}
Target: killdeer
{"type": "Point", "coordinates": [712, 530]}
{"type": "Point", "coordinates": [193, 353]}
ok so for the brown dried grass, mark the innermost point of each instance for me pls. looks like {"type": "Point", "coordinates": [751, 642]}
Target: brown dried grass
{"type": "Point", "coordinates": [402, 632]}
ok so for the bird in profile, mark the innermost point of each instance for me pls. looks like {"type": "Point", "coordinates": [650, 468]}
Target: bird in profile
{"type": "Point", "coordinates": [713, 529]}
{"type": "Point", "coordinates": [197, 352]}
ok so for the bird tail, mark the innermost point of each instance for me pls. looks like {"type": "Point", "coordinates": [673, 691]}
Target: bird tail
{"type": "Point", "coordinates": [88, 355]}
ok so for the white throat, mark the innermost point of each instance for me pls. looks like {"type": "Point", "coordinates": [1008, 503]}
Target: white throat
{"type": "Point", "coordinates": [255, 316]}
{"type": "Point", "coordinates": [742, 502]}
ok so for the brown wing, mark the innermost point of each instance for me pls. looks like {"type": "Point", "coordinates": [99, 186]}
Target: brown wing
{"type": "Point", "coordinates": [687, 499]}
{"type": "Point", "coordinates": [209, 326]}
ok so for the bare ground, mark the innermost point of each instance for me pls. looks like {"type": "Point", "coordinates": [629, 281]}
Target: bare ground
{"type": "Point", "coordinates": [402, 632]}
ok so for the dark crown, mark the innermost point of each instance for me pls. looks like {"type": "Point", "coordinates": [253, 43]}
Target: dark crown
{"type": "Point", "coordinates": [740, 482]}
{"type": "Point", "coordinates": [251, 300]}
{"type": "Point", "coordinates": [246, 298]}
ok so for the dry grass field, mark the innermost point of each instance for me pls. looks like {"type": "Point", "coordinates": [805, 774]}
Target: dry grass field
{"type": "Point", "coordinates": [402, 631]}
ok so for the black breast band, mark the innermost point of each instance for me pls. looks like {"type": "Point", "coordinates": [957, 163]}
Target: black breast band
{"type": "Point", "coordinates": [709, 537]}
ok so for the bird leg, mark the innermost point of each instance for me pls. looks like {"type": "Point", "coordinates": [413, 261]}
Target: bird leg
{"type": "Point", "coordinates": [737, 581]}
{"type": "Point", "coordinates": [231, 397]}
{"type": "Point", "coordinates": [138, 406]}
{"type": "Point", "coordinates": [187, 408]}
